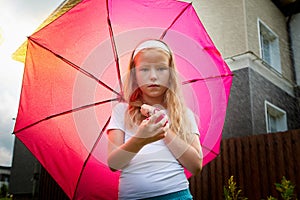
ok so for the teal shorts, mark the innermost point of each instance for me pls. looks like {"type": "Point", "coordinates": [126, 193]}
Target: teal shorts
{"type": "Point", "coordinates": [181, 195]}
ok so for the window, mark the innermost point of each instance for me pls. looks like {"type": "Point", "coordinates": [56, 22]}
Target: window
{"type": "Point", "coordinates": [276, 119]}
{"type": "Point", "coordinates": [269, 46]}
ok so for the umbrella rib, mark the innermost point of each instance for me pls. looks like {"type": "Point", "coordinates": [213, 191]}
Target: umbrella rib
{"type": "Point", "coordinates": [114, 47]}
{"type": "Point", "coordinates": [207, 148]}
{"type": "Point", "coordinates": [90, 153]}
{"type": "Point", "coordinates": [177, 17]}
{"type": "Point", "coordinates": [83, 71]}
{"type": "Point", "coordinates": [207, 78]}
{"type": "Point", "coordinates": [64, 113]}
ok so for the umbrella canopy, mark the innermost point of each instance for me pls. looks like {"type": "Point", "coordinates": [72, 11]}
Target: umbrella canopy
{"type": "Point", "coordinates": [73, 77]}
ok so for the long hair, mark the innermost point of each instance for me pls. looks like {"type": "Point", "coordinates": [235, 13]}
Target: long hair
{"type": "Point", "coordinates": [173, 99]}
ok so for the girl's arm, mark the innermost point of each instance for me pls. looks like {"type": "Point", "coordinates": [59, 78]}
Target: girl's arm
{"type": "Point", "coordinates": [189, 155]}
{"type": "Point", "coordinates": [120, 153]}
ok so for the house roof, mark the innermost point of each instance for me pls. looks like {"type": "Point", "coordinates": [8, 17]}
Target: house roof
{"type": "Point", "coordinates": [288, 7]}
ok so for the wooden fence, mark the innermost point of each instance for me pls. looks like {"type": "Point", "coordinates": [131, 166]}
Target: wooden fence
{"type": "Point", "coordinates": [256, 162]}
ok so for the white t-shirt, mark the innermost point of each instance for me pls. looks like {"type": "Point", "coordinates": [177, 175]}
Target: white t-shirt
{"type": "Point", "coordinates": [154, 170]}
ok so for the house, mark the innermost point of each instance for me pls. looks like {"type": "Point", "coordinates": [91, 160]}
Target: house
{"type": "Point", "coordinates": [259, 40]}
{"type": "Point", "coordinates": [4, 175]}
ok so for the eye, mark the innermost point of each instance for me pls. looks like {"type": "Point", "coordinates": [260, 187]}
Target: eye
{"type": "Point", "coordinates": [143, 69]}
{"type": "Point", "coordinates": [162, 68]}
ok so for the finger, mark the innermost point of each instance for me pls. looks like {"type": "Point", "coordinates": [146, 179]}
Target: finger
{"type": "Point", "coordinates": [160, 130]}
{"type": "Point", "coordinates": [144, 110]}
{"type": "Point", "coordinates": [163, 121]}
{"type": "Point", "coordinates": [155, 110]}
{"type": "Point", "coordinates": [145, 121]}
{"type": "Point", "coordinates": [153, 118]}
{"type": "Point", "coordinates": [166, 126]}
{"type": "Point", "coordinates": [158, 116]}
{"type": "Point", "coordinates": [147, 110]}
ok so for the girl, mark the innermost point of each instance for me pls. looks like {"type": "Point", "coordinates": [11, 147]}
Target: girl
{"type": "Point", "coordinates": [153, 136]}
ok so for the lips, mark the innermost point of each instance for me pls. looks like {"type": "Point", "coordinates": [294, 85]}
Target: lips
{"type": "Point", "coordinates": [153, 86]}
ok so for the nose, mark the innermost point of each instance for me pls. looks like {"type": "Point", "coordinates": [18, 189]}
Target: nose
{"type": "Point", "coordinates": [153, 75]}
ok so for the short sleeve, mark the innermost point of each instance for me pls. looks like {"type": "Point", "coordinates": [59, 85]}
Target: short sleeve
{"type": "Point", "coordinates": [193, 123]}
{"type": "Point", "coordinates": [117, 117]}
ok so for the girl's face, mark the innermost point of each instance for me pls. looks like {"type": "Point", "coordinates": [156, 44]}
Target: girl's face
{"type": "Point", "coordinates": [152, 74]}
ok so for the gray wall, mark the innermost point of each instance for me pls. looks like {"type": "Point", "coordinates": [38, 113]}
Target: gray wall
{"type": "Point", "coordinates": [22, 171]}
{"type": "Point", "coordinates": [261, 90]}
{"type": "Point", "coordinates": [238, 120]}
{"type": "Point", "coordinates": [233, 27]}
{"type": "Point", "coordinates": [246, 107]}
{"type": "Point", "coordinates": [295, 40]}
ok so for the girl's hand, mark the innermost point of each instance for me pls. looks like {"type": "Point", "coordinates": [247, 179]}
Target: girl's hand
{"type": "Point", "coordinates": [153, 128]}
{"type": "Point", "coordinates": [148, 110]}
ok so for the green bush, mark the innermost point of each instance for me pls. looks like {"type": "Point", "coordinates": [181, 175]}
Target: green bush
{"type": "Point", "coordinates": [3, 190]}
{"type": "Point", "coordinates": [231, 192]}
{"type": "Point", "coordinates": [286, 189]}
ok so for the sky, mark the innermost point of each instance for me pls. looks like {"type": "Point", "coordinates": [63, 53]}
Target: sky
{"type": "Point", "coordinates": [18, 19]}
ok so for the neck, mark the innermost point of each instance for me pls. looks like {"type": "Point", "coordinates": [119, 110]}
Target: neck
{"type": "Point", "coordinates": [153, 101]}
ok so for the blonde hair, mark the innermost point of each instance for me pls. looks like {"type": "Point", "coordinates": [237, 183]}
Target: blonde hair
{"type": "Point", "coordinates": [173, 100]}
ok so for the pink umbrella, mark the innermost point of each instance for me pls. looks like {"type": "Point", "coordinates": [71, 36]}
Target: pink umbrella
{"type": "Point", "coordinates": [73, 78]}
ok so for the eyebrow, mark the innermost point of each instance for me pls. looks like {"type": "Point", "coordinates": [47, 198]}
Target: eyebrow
{"type": "Point", "coordinates": [150, 64]}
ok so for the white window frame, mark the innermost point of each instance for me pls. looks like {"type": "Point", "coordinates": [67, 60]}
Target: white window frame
{"type": "Point", "coordinates": [274, 60]}
{"type": "Point", "coordinates": [279, 115]}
